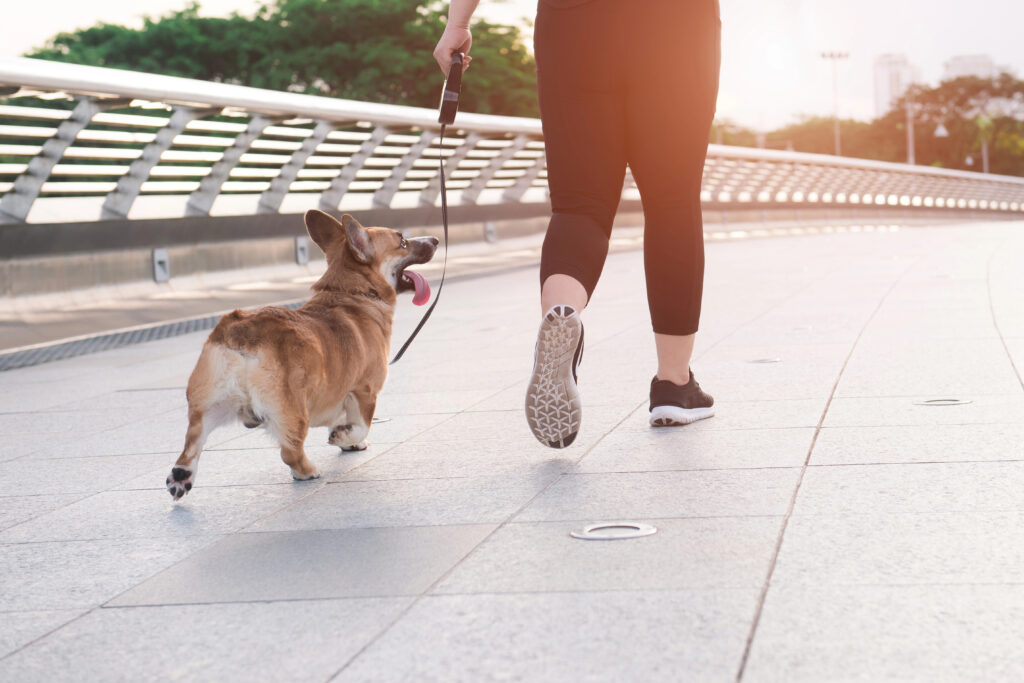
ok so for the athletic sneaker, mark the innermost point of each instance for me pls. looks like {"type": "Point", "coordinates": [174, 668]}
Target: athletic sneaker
{"type": "Point", "coordinates": [553, 407]}
{"type": "Point", "coordinates": [672, 404]}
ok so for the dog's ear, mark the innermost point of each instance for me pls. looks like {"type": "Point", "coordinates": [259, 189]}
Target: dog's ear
{"type": "Point", "coordinates": [322, 227]}
{"type": "Point", "coordinates": [358, 239]}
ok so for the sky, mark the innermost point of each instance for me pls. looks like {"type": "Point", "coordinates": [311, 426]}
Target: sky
{"type": "Point", "coordinates": [772, 72]}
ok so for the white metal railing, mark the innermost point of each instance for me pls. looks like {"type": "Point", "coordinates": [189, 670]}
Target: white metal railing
{"type": "Point", "coordinates": [84, 143]}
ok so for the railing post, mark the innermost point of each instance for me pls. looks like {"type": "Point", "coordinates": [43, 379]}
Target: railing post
{"type": "Point", "coordinates": [17, 203]}
{"type": "Point", "coordinates": [429, 193]}
{"type": "Point", "coordinates": [270, 200]}
{"type": "Point", "coordinates": [331, 197]}
{"type": "Point", "coordinates": [201, 201]}
{"type": "Point", "coordinates": [119, 202]}
{"type": "Point", "coordinates": [515, 192]}
{"type": "Point", "coordinates": [382, 197]}
{"type": "Point", "coordinates": [476, 186]}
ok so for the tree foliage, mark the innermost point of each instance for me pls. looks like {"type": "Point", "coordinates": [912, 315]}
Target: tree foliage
{"type": "Point", "coordinates": [371, 50]}
{"type": "Point", "coordinates": [973, 111]}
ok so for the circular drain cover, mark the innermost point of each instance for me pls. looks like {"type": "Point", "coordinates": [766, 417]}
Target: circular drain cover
{"type": "Point", "coordinates": [613, 531]}
{"type": "Point", "coordinates": [943, 402]}
{"type": "Point", "coordinates": [378, 420]}
{"type": "Point", "coordinates": [767, 360]}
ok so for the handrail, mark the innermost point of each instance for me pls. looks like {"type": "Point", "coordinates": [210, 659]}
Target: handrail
{"type": "Point", "coordinates": [283, 152]}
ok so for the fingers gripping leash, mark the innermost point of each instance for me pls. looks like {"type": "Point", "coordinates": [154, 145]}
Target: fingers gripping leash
{"type": "Point", "coordinates": [446, 117]}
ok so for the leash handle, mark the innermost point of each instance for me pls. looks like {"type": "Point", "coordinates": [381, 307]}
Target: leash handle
{"type": "Point", "coordinates": [451, 91]}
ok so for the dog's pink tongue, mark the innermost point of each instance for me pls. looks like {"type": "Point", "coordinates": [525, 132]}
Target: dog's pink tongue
{"type": "Point", "coordinates": [422, 295]}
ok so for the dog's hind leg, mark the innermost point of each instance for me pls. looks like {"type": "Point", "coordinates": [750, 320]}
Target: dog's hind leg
{"type": "Point", "coordinates": [358, 414]}
{"type": "Point", "coordinates": [206, 412]}
{"type": "Point", "coordinates": [290, 425]}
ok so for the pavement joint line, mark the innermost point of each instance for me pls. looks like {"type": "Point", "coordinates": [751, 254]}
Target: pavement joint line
{"type": "Point", "coordinates": [992, 310]}
{"type": "Point", "coordinates": [803, 470]}
{"type": "Point", "coordinates": [886, 463]}
{"type": "Point", "coordinates": [553, 479]}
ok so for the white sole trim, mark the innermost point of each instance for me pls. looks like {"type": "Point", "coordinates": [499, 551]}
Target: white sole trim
{"type": "Point", "coordinates": [668, 416]}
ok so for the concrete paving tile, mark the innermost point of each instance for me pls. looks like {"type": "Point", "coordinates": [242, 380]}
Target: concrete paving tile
{"type": "Point", "coordinates": [667, 635]}
{"type": "Point", "coordinates": [411, 502]}
{"type": "Point", "coordinates": [419, 402]}
{"type": "Point", "coordinates": [33, 476]}
{"type": "Point", "coordinates": [734, 414]}
{"type": "Point", "coordinates": [1016, 348]}
{"type": "Point", "coordinates": [80, 422]}
{"type": "Point", "coordinates": [163, 433]}
{"type": "Point", "coordinates": [206, 511]}
{"type": "Point", "coordinates": [890, 411]}
{"type": "Point", "coordinates": [254, 466]}
{"type": "Point", "coordinates": [902, 549]}
{"type": "Point", "coordinates": [657, 450]}
{"type": "Point", "coordinates": [16, 446]}
{"type": "Point", "coordinates": [39, 396]}
{"type": "Point", "coordinates": [152, 401]}
{"type": "Point", "coordinates": [655, 495]}
{"type": "Point", "coordinates": [724, 552]}
{"type": "Point", "coordinates": [298, 565]}
{"type": "Point", "coordinates": [17, 509]}
{"type": "Point", "coordinates": [509, 457]}
{"type": "Point", "coordinates": [18, 629]}
{"type": "Point", "coordinates": [918, 443]}
{"type": "Point", "coordinates": [753, 384]}
{"type": "Point", "coordinates": [275, 641]}
{"type": "Point", "coordinates": [885, 633]}
{"type": "Point", "coordinates": [885, 489]}
{"type": "Point", "coordinates": [81, 574]}
{"type": "Point", "coordinates": [911, 367]}
{"type": "Point", "coordinates": [597, 421]}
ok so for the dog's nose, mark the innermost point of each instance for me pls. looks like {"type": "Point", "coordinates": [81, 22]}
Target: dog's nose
{"type": "Point", "coordinates": [434, 241]}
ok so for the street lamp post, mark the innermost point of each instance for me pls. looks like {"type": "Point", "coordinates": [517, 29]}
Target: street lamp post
{"type": "Point", "coordinates": [910, 132]}
{"type": "Point", "coordinates": [834, 57]}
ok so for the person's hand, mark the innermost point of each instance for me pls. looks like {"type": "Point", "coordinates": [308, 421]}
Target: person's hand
{"type": "Point", "coordinates": [454, 39]}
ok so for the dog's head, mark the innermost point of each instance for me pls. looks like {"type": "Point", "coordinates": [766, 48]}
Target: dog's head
{"type": "Point", "coordinates": [356, 255]}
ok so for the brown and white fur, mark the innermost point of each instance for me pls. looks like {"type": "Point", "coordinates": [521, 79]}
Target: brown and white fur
{"type": "Point", "coordinates": [319, 366]}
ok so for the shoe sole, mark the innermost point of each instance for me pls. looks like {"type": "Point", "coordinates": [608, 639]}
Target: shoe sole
{"type": "Point", "coordinates": [553, 407]}
{"type": "Point", "coordinates": [671, 416]}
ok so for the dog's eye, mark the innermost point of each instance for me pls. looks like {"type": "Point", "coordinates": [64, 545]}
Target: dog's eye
{"type": "Point", "coordinates": [403, 243]}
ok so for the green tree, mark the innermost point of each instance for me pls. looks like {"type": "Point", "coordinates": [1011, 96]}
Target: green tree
{"type": "Point", "coordinates": [370, 50]}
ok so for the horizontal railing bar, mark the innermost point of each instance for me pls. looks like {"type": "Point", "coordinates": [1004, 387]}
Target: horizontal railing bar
{"type": "Point", "coordinates": [90, 80]}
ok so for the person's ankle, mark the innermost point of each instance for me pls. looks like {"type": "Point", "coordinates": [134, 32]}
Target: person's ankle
{"type": "Point", "coordinates": [680, 379]}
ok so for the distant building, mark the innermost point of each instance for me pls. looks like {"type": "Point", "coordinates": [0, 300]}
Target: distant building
{"type": "Point", "coordinates": [981, 66]}
{"type": "Point", "coordinates": [893, 75]}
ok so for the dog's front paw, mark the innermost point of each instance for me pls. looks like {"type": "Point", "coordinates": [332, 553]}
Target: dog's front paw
{"type": "Point", "coordinates": [179, 482]}
{"type": "Point", "coordinates": [314, 473]}
{"type": "Point", "coordinates": [361, 446]}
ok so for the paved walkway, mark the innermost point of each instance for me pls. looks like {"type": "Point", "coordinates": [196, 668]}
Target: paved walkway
{"type": "Point", "coordinates": [825, 525]}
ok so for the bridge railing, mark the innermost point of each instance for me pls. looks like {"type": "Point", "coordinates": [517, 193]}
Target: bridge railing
{"type": "Point", "coordinates": [80, 144]}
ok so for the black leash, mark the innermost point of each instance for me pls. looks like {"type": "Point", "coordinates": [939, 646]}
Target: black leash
{"type": "Point", "coordinates": [449, 106]}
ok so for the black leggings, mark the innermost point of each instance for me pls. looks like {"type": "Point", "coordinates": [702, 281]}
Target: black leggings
{"type": "Point", "coordinates": [629, 82]}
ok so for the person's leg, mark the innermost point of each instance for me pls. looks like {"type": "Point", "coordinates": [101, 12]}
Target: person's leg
{"type": "Point", "coordinates": [583, 117]}
{"type": "Point", "coordinates": [671, 107]}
